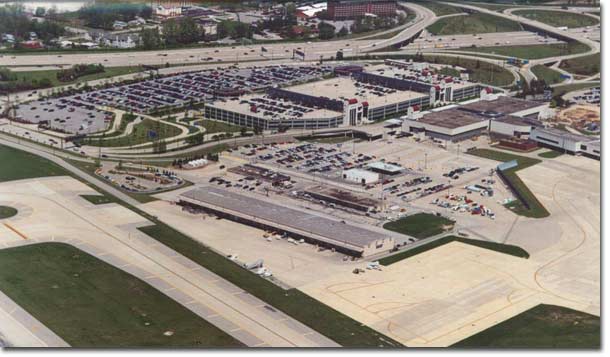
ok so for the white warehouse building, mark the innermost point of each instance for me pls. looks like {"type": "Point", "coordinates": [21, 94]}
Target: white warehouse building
{"type": "Point", "coordinates": [363, 177]}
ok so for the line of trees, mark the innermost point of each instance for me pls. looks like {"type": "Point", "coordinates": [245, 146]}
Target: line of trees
{"type": "Point", "coordinates": [103, 16]}
{"type": "Point", "coordinates": [11, 83]}
{"type": "Point", "coordinates": [13, 20]}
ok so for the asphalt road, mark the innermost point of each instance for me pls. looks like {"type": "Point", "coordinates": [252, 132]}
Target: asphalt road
{"type": "Point", "coordinates": [312, 50]}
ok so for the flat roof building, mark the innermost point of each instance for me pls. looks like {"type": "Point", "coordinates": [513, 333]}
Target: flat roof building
{"type": "Point", "coordinates": [316, 229]}
{"type": "Point", "coordinates": [564, 141]}
{"type": "Point", "coordinates": [349, 9]}
{"type": "Point", "coordinates": [449, 125]}
{"type": "Point", "coordinates": [510, 125]}
{"type": "Point", "coordinates": [360, 176]}
{"type": "Point", "coordinates": [502, 115]}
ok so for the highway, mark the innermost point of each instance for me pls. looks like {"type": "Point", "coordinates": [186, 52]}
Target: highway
{"type": "Point", "coordinates": [237, 53]}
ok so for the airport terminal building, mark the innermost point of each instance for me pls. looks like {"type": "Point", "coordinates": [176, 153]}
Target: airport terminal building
{"type": "Point", "coordinates": [343, 237]}
{"type": "Point", "coordinates": [502, 115]}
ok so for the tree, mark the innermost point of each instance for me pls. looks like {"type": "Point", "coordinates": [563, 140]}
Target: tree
{"type": "Point", "coordinates": [343, 32]}
{"type": "Point", "coordinates": [189, 31]}
{"type": "Point", "coordinates": [40, 11]}
{"type": "Point", "coordinates": [326, 30]}
{"type": "Point", "coordinates": [150, 38]}
{"type": "Point", "coordinates": [291, 8]}
{"type": "Point", "coordinates": [171, 32]}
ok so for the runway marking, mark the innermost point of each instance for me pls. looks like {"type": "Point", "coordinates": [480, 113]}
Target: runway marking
{"type": "Point", "coordinates": [23, 236]}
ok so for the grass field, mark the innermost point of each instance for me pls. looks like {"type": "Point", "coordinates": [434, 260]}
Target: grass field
{"type": "Point", "coordinates": [420, 225]}
{"type": "Point", "coordinates": [448, 71]}
{"type": "Point", "coordinates": [585, 65]}
{"type": "Point", "coordinates": [498, 247]}
{"type": "Point", "coordinates": [543, 326]}
{"type": "Point", "coordinates": [561, 90]}
{"type": "Point", "coordinates": [439, 9]}
{"type": "Point", "coordinates": [549, 75]}
{"type": "Point", "coordinates": [7, 212]}
{"type": "Point", "coordinates": [536, 209]}
{"type": "Point", "coordinates": [532, 51]}
{"type": "Point", "coordinates": [140, 134]}
{"type": "Point", "coordinates": [485, 72]}
{"type": "Point", "coordinates": [558, 18]}
{"type": "Point", "coordinates": [90, 303]}
{"type": "Point", "coordinates": [98, 199]}
{"type": "Point", "coordinates": [551, 154]}
{"type": "Point", "coordinates": [51, 75]}
{"type": "Point", "coordinates": [18, 165]}
{"type": "Point", "coordinates": [213, 126]}
{"type": "Point", "coordinates": [473, 24]}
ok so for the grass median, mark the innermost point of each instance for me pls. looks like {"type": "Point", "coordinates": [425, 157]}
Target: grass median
{"type": "Point", "coordinates": [536, 209]}
{"type": "Point", "coordinates": [533, 51]}
{"type": "Point", "coordinates": [558, 18]}
{"type": "Point", "coordinates": [498, 247]}
{"type": "Point", "coordinates": [474, 23]}
{"type": "Point", "coordinates": [90, 303]}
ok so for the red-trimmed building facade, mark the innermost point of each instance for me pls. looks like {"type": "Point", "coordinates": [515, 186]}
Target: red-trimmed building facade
{"type": "Point", "coordinates": [349, 9]}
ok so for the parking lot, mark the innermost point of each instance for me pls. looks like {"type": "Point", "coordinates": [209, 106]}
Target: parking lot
{"type": "Point", "coordinates": [425, 169]}
{"type": "Point", "coordinates": [68, 115]}
{"type": "Point", "coordinates": [178, 90]}
{"type": "Point", "coordinates": [140, 179]}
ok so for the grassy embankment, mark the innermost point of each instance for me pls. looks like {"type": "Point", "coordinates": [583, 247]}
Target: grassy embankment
{"type": "Point", "coordinates": [584, 66]}
{"type": "Point", "coordinates": [536, 209]}
{"type": "Point", "coordinates": [498, 247]}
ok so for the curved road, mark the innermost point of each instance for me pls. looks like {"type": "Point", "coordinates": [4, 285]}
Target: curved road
{"type": "Point", "coordinates": [594, 47]}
